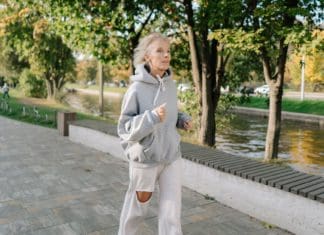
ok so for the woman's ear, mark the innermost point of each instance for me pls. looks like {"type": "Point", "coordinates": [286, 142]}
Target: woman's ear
{"type": "Point", "coordinates": [146, 58]}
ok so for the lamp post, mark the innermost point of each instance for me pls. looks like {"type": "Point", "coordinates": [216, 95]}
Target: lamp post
{"type": "Point", "coordinates": [101, 89]}
{"type": "Point", "coordinates": [302, 86]}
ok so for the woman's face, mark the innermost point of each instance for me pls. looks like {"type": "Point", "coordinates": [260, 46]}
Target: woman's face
{"type": "Point", "coordinates": [158, 56]}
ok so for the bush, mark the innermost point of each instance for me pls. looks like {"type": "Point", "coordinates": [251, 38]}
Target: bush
{"type": "Point", "coordinates": [223, 115]}
{"type": "Point", "coordinates": [31, 85]}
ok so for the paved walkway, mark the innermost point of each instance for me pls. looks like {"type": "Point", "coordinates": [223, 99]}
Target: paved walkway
{"type": "Point", "coordinates": [49, 185]}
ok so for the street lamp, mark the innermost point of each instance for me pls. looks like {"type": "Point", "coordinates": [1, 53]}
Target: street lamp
{"type": "Point", "coordinates": [302, 87]}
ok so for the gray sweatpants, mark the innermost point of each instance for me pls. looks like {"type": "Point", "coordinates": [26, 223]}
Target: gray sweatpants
{"type": "Point", "coordinates": [168, 177]}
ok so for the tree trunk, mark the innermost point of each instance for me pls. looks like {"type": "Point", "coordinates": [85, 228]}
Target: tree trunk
{"type": "Point", "coordinates": [204, 75]}
{"type": "Point", "coordinates": [220, 74]}
{"type": "Point", "coordinates": [276, 90]}
{"type": "Point", "coordinates": [135, 39]}
{"type": "Point", "coordinates": [50, 89]}
{"type": "Point", "coordinates": [208, 125]}
{"type": "Point", "coordinates": [275, 83]}
{"type": "Point", "coordinates": [101, 89]}
{"type": "Point", "coordinates": [132, 45]}
{"type": "Point", "coordinates": [207, 128]}
{"type": "Point", "coordinates": [194, 55]}
{"type": "Point", "coordinates": [274, 124]}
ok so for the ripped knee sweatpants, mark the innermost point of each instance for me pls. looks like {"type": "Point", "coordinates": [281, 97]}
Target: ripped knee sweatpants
{"type": "Point", "coordinates": [168, 177]}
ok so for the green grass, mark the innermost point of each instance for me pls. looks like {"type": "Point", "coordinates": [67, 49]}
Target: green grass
{"type": "Point", "coordinates": [46, 113]}
{"type": "Point", "coordinates": [290, 105]}
{"type": "Point", "coordinates": [45, 116]}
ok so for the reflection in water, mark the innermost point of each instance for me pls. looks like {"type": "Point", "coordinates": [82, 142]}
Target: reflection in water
{"type": "Point", "coordinates": [301, 143]}
{"type": "Point", "coordinates": [245, 136]}
{"type": "Point", "coordinates": [89, 104]}
{"type": "Point", "coordinates": [306, 148]}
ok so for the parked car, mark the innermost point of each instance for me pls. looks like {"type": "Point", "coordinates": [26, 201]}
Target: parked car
{"type": "Point", "coordinates": [262, 90]}
{"type": "Point", "coordinates": [246, 90]}
{"type": "Point", "coordinates": [184, 87]}
{"type": "Point", "coordinates": [90, 83]}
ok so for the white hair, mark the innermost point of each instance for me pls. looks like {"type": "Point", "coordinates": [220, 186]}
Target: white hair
{"type": "Point", "coordinates": [142, 48]}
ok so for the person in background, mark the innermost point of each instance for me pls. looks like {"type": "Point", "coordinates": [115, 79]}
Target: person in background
{"type": "Point", "coordinates": [147, 128]}
{"type": "Point", "coordinates": [5, 90]}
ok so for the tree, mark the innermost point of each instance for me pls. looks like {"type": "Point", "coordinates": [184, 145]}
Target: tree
{"type": "Point", "coordinates": [86, 70]}
{"type": "Point", "coordinates": [51, 59]}
{"type": "Point", "coordinates": [105, 29]}
{"type": "Point", "coordinates": [269, 28]}
{"type": "Point", "coordinates": [30, 36]}
{"type": "Point", "coordinates": [209, 56]}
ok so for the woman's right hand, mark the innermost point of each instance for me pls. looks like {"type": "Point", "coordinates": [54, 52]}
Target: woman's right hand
{"type": "Point", "coordinates": [161, 111]}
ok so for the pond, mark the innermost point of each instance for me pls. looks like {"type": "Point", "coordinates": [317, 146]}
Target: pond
{"type": "Point", "coordinates": [302, 144]}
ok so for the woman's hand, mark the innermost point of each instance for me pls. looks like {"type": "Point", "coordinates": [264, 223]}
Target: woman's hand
{"type": "Point", "coordinates": [161, 112]}
{"type": "Point", "coordinates": [187, 125]}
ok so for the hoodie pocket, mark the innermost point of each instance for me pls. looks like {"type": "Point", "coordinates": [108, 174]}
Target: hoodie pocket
{"type": "Point", "coordinates": [150, 148]}
{"type": "Point", "coordinates": [140, 151]}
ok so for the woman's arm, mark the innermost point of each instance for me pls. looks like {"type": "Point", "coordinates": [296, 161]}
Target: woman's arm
{"type": "Point", "coordinates": [133, 126]}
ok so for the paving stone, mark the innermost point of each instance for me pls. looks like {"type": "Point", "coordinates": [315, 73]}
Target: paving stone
{"type": "Point", "coordinates": [62, 229]}
{"type": "Point", "coordinates": [49, 185]}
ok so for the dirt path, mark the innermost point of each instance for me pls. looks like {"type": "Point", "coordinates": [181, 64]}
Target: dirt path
{"type": "Point", "coordinates": [95, 92]}
{"type": "Point", "coordinates": [40, 102]}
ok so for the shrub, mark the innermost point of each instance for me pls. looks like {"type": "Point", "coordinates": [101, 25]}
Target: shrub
{"type": "Point", "coordinates": [31, 85]}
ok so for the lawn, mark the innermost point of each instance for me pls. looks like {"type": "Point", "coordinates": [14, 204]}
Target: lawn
{"type": "Point", "coordinates": [36, 111]}
{"type": "Point", "coordinates": [290, 105]}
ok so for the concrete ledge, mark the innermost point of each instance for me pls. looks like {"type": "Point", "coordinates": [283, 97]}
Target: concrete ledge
{"type": "Point", "coordinates": [286, 210]}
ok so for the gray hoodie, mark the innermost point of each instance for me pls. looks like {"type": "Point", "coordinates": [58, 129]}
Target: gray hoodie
{"type": "Point", "coordinates": [145, 139]}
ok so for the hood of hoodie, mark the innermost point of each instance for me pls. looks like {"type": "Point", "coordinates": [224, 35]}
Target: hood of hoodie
{"type": "Point", "coordinates": [142, 75]}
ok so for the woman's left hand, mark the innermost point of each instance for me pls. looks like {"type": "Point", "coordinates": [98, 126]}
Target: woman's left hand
{"type": "Point", "coordinates": [187, 125]}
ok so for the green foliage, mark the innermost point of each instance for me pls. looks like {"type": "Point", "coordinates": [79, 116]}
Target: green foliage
{"type": "Point", "coordinates": [86, 70]}
{"type": "Point", "coordinates": [238, 39]}
{"type": "Point", "coordinates": [28, 34]}
{"type": "Point", "coordinates": [190, 105]}
{"type": "Point", "coordinates": [181, 61]}
{"type": "Point", "coordinates": [104, 29]}
{"type": "Point", "coordinates": [265, 24]}
{"type": "Point", "coordinates": [52, 59]}
{"type": "Point", "coordinates": [223, 111]}
{"type": "Point", "coordinates": [31, 85]}
{"type": "Point", "coordinates": [11, 64]}
{"type": "Point", "coordinates": [241, 68]}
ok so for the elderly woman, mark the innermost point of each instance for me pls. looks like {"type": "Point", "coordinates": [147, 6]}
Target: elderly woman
{"type": "Point", "coordinates": [147, 129]}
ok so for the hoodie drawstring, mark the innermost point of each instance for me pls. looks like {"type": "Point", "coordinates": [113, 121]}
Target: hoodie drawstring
{"type": "Point", "coordinates": [161, 87]}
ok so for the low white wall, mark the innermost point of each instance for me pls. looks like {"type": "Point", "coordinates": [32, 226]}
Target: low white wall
{"type": "Point", "coordinates": [299, 215]}
{"type": "Point", "coordinates": [97, 140]}
{"type": "Point", "coordinates": [286, 210]}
